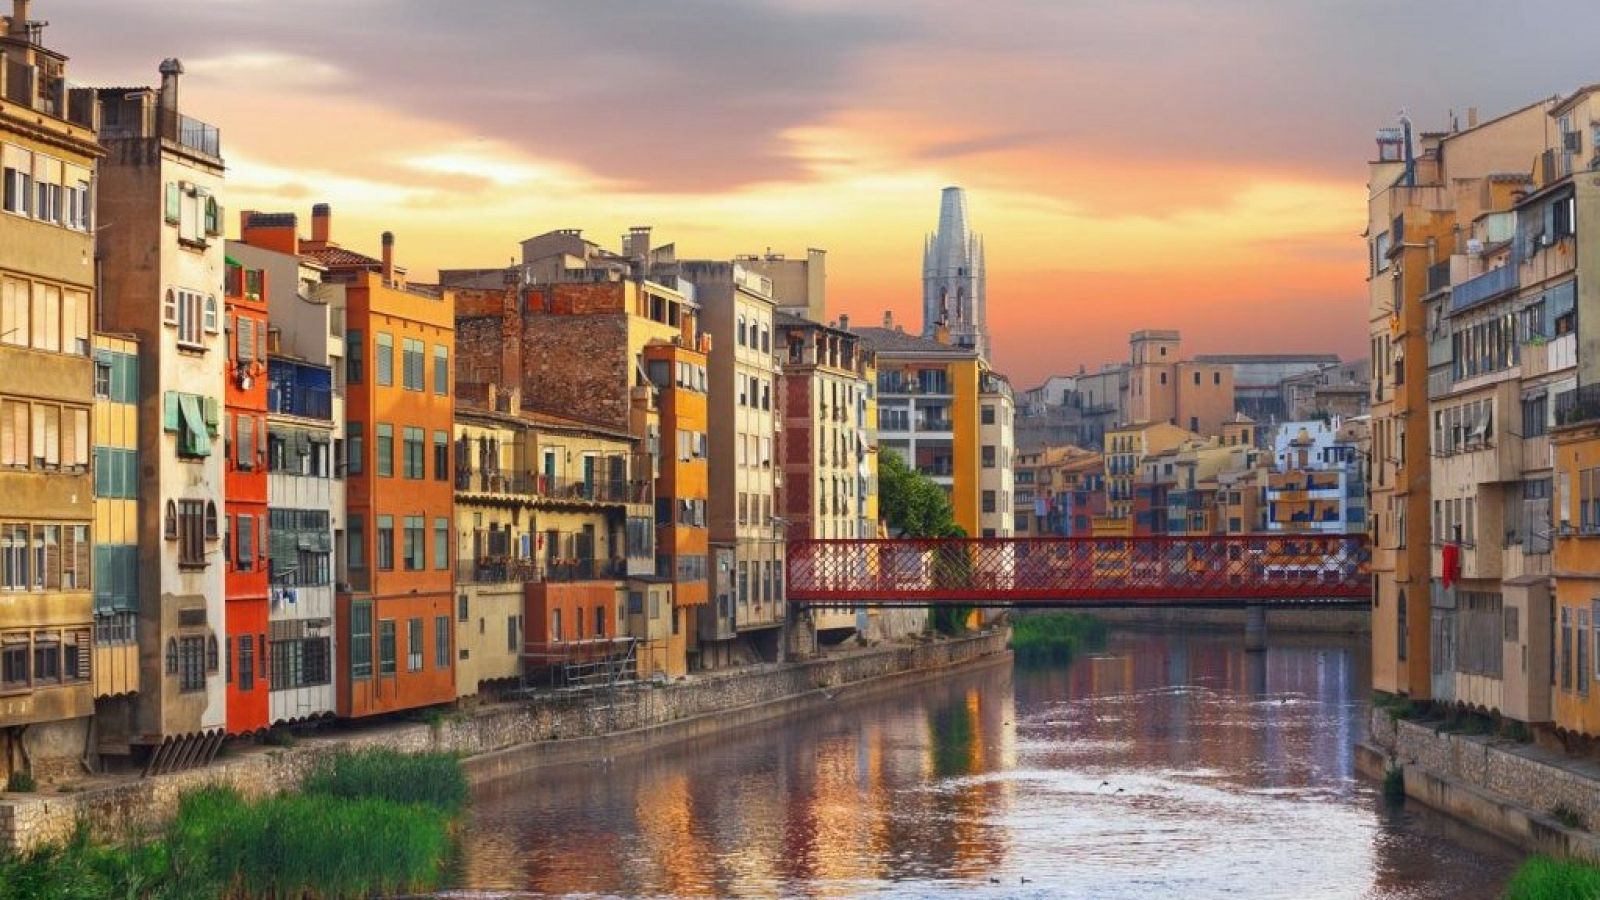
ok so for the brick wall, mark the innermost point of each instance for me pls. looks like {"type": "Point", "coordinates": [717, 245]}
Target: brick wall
{"type": "Point", "coordinates": [578, 366]}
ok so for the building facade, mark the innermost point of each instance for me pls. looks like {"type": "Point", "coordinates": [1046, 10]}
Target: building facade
{"type": "Point", "coordinates": [163, 267]}
{"type": "Point", "coordinates": [996, 456]}
{"type": "Point", "coordinates": [47, 302]}
{"type": "Point", "coordinates": [245, 659]}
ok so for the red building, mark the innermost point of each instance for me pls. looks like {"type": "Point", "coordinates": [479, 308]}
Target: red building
{"type": "Point", "coordinates": [245, 428]}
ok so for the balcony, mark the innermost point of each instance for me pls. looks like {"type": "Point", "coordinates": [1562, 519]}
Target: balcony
{"type": "Point", "coordinates": [38, 90]}
{"type": "Point", "coordinates": [299, 389]}
{"type": "Point", "coordinates": [1579, 406]}
{"type": "Point", "coordinates": [529, 571]}
{"type": "Point", "coordinates": [1483, 288]}
{"type": "Point", "coordinates": [1438, 276]}
{"type": "Point", "coordinates": [536, 486]}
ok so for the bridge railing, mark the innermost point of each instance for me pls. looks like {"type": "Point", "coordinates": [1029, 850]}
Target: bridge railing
{"type": "Point", "coordinates": [1287, 568]}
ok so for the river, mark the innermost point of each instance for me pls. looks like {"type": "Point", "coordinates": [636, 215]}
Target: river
{"type": "Point", "coordinates": [1164, 766]}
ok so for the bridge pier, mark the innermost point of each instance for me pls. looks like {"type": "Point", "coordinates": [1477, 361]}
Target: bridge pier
{"type": "Point", "coordinates": [1255, 628]}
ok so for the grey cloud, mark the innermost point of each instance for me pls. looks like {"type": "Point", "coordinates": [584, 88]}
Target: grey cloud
{"type": "Point", "coordinates": [686, 95]}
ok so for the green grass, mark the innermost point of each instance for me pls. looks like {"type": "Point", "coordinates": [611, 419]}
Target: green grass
{"type": "Point", "coordinates": [374, 823]}
{"type": "Point", "coordinates": [1546, 879]}
{"type": "Point", "coordinates": [1055, 637]}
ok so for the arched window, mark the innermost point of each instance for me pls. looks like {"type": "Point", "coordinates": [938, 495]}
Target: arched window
{"type": "Point", "coordinates": [172, 656]}
{"type": "Point", "coordinates": [211, 321]}
{"type": "Point", "coordinates": [211, 521]}
{"type": "Point", "coordinates": [169, 308]}
{"type": "Point", "coordinates": [170, 525]}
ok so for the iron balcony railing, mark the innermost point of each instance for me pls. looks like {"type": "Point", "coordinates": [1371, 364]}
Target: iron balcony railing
{"type": "Point", "coordinates": [1578, 406]}
{"type": "Point", "coordinates": [551, 487]}
{"type": "Point", "coordinates": [515, 570]}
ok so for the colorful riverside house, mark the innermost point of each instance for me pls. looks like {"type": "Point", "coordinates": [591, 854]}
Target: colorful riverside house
{"type": "Point", "coordinates": [678, 371]}
{"type": "Point", "coordinates": [395, 623]}
{"type": "Point", "coordinates": [161, 275]}
{"type": "Point", "coordinates": [244, 426]}
{"type": "Point", "coordinates": [116, 532]}
{"type": "Point", "coordinates": [47, 302]}
{"type": "Point", "coordinates": [305, 459]}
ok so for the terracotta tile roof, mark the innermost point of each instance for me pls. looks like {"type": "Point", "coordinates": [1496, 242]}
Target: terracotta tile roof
{"type": "Point", "coordinates": [888, 340]}
{"type": "Point", "coordinates": [340, 258]}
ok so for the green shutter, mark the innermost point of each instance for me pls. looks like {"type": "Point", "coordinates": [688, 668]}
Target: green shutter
{"type": "Point", "coordinates": [174, 201]}
{"type": "Point", "coordinates": [169, 411]}
{"type": "Point", "coordinates": [213, 414]}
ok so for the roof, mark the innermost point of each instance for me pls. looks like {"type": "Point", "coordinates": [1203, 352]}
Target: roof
{"type": "Point", "coordinates": [338, 257]}
{"type": "Point", "coordinates": [893, 340]}
{"type": "Point", "coordinates": [541, 420]}
{"type": "Point", "coordinates": [1266, 358]}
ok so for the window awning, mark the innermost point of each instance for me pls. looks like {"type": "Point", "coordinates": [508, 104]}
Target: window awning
{"type": "Point", "coordinates": [194, 421]}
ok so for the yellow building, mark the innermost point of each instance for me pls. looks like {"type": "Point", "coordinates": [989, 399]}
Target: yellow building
{"type": "Point", "coordinates": [48, 154]}
{"type": "Point", "coordinates": [1126, 449]}
{"type": "Point", "coordinates": [116, 523]}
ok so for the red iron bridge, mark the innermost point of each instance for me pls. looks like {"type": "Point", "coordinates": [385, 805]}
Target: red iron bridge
{"type": "Point", "coordinates": [1262, 570]}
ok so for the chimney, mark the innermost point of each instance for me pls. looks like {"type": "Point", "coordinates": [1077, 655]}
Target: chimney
{"type": "Point", "coordinates": [636, 245]}
{"type": "Point", "coordinates": [321, 223]}
{"type": "Point", "coordinates": [844, 322]}
{"type": "Point", "coordinates": [888, 319]}
{"type": "Point", "coordinates": [1472, 117]}
{"type": "Point", "coordinates": [941, 332]}
{"type": "Point", "coordinates": [388, 256]}
{"type": "Point", "coordinates": [170, 70]}
{"type": "Point", "coordinates": [19, 18]}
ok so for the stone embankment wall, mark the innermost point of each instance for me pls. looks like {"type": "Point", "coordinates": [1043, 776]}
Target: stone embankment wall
{"type": "Point", "coordinates": [1507, 788]}
{"type": "Point", "coordinates": [505, 738]}
{"type": "Point", "coordinates": [1281, 621]}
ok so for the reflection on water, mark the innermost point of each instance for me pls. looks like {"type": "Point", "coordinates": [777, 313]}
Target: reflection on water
{"type": "Point", "coordinates": [1165, 766]}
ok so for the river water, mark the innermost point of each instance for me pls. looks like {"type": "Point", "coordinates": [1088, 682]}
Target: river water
{"type": "Point", "coordinates": [1165, 766]}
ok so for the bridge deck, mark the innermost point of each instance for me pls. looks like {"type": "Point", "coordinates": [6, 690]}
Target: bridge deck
{"type": "Point", "coordinates": [1288, 570]}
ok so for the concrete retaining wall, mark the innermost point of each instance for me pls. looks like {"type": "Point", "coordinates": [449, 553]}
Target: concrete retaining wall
{"type": "Point", "coordinates": [1503, 787]}
{"type": "Point", "coordinates": [507, 738]}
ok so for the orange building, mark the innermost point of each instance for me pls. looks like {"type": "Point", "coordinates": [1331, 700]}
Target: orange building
{"type": "Point", "coordinates": [245, 489]}
{"type": "Point", "coordinates": [683, 485]}
{"type": "Point", "coordinates": [393, 617]}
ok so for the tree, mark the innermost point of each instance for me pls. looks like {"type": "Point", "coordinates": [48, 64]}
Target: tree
{"type": "Point", "coordinates": [915, 506]}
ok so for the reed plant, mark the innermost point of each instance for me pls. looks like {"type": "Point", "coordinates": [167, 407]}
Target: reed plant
{"type": "Point", "coordinates": [1541, 878]}
{"type": "Point", "coordinates": [1055, 637]}
{"type": "Point", "coordinates": [372, 823]}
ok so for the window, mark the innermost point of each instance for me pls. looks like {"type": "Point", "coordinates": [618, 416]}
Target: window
{"type": "Point", "coordinates": [555, 625]}
{"type": "Point", "coordinates": [355, 357]}
{"type": "Point", "coordinates": [411, 364]}
{"type": "Point", "coordinates": [988, 456]}
{"type": "Point", "coordinates": [355, 447]}
{"type": "Point", "coordinates": [441, 370]}
{"type": "Point", "coordinates": [988, 415]}
{"type": "Point", "coordinates": [512, 630]}
{"type": "Point", "coordinates": [441, 642]}
{"type": "Point", "coordinates": [441, 456]}
{"type": "Point", "coordinates": [361, 641]}
{"type": "Point", "coordinates": [414, 645]}
{"type": "Point", "coordinates": [988, 501]}
{"type": "Point", "coordinates": [192, 532]}
{"type": "Point", "coordinates": [385, 354]}
{"type": "Point", "coordinates": [441, 543]}
{"type": "Point", "coordinates": [1589, 501]}
{"type": "Point", "coordinates": [247, 663]}
{"type": "Point", "coordinates": [245, 543]}
{"type": "Point", "coordinates": [195, 316]}
{"type": "Point", "coordinates": [599, 621]}
{"type": "Point", "coordinates": [385, 548]}
{"type": "Point", "coordinates": [46, 658]}
{"type": "Point", "coordinates": [740, 337]}
{"type": "Point", "coordinates": [245, 445]}
{"type": "Point", "coordinates": [413, 460]}
{"type": "Point", "coordinates": [16, 165]}
{"type": "Point", "coordinates": [192, 664]}
{"type": "Point", "coordinates": [414, 544]}
{"type": "Point", "coordinates": [14, 673]}
{"type": "Point", "coordinates": [355, 543]}
{"type": "Point", "coordinates": [386, 647]}
{"type": "Point", "coordinates": [385, 450]}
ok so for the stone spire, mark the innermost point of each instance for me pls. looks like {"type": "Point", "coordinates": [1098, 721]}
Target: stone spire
{"type": "Point", "coordinates": [952, 278]}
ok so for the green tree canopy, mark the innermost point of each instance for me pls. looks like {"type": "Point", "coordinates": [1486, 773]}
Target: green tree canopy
{"type": "Point", "coordinates": [913, 504]}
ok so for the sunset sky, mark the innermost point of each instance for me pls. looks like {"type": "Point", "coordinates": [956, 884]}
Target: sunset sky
{"type": "Point", "coordinates": [1192, 164]}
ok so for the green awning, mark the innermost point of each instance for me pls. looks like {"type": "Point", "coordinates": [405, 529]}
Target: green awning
{"type": "Point", "coordinates": [194, 421]}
